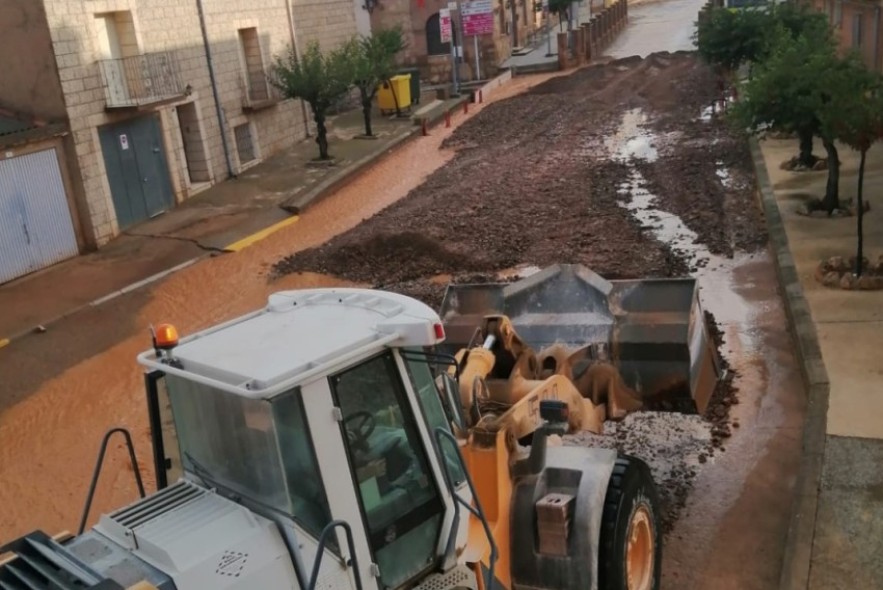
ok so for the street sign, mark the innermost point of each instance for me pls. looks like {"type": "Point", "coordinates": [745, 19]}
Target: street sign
{"type": "Point", "coordinates": [444, 21]}
{"type": "Point", "coordinates": [478, 17]}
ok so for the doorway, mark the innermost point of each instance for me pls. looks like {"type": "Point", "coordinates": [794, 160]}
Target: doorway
{"type": "Point", "coordinates": [137, 170]}
{"type": "Point", "coordinates": [400, 500]}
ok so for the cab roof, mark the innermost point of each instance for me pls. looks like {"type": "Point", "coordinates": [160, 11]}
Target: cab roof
{"type": "Point", "coordinates": [297, 337]}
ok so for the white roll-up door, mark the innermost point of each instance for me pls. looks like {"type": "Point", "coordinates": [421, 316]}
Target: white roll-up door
{"type": "Point", "coordinates": [36, 229]}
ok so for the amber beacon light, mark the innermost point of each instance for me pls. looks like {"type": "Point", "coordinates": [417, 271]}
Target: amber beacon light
{"type": "Point", "coordinates": [165, 337]}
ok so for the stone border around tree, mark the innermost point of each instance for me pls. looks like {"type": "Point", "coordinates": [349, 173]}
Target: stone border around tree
{"type": "Point", "coordinates": [839, 272]}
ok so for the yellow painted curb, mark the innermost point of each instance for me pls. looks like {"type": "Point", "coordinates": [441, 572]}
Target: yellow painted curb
{"type": "Point", "coordinates": [258, 236]}
{"type": "Point", "coordinates": [4, 342]}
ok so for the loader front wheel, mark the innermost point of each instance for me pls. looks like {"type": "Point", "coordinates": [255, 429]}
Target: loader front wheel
{"type": "Point", "coordinates": [630, 548]}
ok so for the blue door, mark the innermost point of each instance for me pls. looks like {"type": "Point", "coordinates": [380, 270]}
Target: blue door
{"type": "Point", "coordinates": [137, 170]}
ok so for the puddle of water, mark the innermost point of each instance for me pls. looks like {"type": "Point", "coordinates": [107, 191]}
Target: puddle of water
{"type": "Point", "coordinates": [714, 273]}
{"type": "Point", "coordinates": [724, 175]}
{"type": "Point", "coordinates": [632, 140]}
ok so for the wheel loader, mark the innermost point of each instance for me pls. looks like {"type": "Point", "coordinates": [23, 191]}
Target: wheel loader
{"type": "Point", "coordinates": [330, 441]}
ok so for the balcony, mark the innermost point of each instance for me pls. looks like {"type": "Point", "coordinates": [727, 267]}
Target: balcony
{"type": "Point", "coordinates": [257, 92]}
{"type": "Point", "coordinates": [142, 81]}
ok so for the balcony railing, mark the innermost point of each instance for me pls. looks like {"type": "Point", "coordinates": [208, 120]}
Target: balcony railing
{"type": "Point", "coordinates": [141, 80]}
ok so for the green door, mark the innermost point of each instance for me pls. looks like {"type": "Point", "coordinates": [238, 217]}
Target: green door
{"type": "Point", "coordinates": [137, 170]}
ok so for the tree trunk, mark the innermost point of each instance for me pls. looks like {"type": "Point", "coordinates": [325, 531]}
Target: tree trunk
{"type": "Point", "coordinates": [806, 158]}
{"type": "Point", "coordinates": [832, 189]}
{"type": "Point", "coordinates": [321, 136]}
{"type": "Point", "coordinates": [859, 214]}
{"type": "Point", "coordinates": [366, 110]}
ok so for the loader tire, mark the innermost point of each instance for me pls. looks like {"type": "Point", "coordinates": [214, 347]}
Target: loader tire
{"type": "Point", "coordinates": [630, 547]}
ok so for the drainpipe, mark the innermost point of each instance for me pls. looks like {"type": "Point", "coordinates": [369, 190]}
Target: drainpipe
{"type": "Point", "coordinates": [214, 83]}
{"type": "Point", "coordinates": [303, 106]}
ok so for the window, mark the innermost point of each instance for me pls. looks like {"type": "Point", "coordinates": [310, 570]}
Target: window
{"type": "Point", "coordinates": [857, 31]}
{"type": "Point", "coordinates": [400, 501]}
{"type": "Point", "coordinates": [430, 402]}
{"type": "Point", "coordinates": [255, 448]}
{"type": "Point", "coordinates": [309, 504]}
{"type": "Point", "coordinates": [244, 144]}
{"type": "Point", "coordinates": [253, 62]}
{"type": "Point", "coordinates": [838, 13]}
{"type": "Point", "coordinates": [230, 440]}
{"type": "Point", "coordinates": [434, 45]}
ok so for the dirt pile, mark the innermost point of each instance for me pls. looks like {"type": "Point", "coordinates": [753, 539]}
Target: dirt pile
{"type": "Point", "coordinates": [530, 184]}
{"type": "Point", "coordinates": [407, 255]}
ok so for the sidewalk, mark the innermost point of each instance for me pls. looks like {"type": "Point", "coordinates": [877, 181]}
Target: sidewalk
{"type": "Point", "coordinates": [227, 217]}
{"type": "Point", "coordinates": [836, 537]}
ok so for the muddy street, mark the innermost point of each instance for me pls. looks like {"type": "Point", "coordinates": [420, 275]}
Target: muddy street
{"type": "Point", "coordinates": [618, 167]}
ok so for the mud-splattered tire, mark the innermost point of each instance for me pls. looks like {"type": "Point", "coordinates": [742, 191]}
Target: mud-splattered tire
{"type": "Point", "coordinates": [630, 547]}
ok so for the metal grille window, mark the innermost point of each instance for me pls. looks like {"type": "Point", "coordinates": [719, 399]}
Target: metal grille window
{"type": "Point", "coordinates": [244, 143]}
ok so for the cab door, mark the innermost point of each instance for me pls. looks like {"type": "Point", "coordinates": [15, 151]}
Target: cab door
{"type": "Point", "coordinates": [401, 502]}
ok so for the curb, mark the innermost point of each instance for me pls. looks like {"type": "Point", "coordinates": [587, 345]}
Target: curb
{"type": "Point", "coordinates": [801, 530]}
{"type": "Point", "coordinates": [343, 176]}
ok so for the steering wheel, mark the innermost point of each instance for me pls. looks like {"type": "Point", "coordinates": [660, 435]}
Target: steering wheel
{"type": "Point", "coordinates": [363, 427]}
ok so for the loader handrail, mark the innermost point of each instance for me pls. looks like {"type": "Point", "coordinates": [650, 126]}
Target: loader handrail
{"type": "Point", "coordinates": [100, 463]}
{"type": "Point", "coordinates": [320, 552]}
{"type": "Point", "coordinates": [477, 510]}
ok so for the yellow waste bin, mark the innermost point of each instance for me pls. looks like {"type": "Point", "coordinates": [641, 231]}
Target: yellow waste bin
{"type": "Point", "coordinates": [398, 89]}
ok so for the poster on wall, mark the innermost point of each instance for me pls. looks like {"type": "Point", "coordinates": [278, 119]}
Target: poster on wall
{"type": "Point", "coordinates": [444, 21]}
{"type": "Point", "coordinates": [478, 17]}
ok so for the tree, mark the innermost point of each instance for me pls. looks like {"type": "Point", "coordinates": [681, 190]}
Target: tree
{"type": "Point", "coordinates": [728, 39]}
{"type": "Point", "coordinates": [562, 9]}
{"type": "Point", "coordinates": [372, 62]}
{"type": "Point", "coordinates": [319, 79]}
{"type": "Point", "coordinates": [789, 92]}
{"type": "Point", "coordinates": [854, 115]}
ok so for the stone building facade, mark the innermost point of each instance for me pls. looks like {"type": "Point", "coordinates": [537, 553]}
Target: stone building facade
{"type": "Point", "coordinates": [515, 20]}
{"type": "Point", "coordinates": [163, 98]}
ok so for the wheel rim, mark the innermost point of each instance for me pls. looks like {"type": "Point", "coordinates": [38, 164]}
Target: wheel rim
{"type": "Point", "coordinates": [639, 555]}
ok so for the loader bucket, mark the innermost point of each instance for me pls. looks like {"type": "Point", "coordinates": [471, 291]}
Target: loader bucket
{"type": "Point", "coordinates": [653, 330]}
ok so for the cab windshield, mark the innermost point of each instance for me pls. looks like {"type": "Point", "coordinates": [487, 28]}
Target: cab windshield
{"type": "Point", "coordinates": [258, 449]}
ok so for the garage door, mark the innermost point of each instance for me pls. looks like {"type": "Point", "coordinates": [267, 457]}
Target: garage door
{"type": "Point", "coordinates": [35, 221]}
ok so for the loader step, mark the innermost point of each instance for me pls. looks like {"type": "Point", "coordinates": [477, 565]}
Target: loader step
{"type": "Point", "coordinates": [459, 577]}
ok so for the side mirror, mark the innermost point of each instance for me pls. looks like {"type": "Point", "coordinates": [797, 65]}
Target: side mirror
{"type": "Point", "coordinates": [451, 391]}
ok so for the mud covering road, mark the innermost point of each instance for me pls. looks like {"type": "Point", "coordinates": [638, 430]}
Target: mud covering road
{"type": "Point", "coordinates": [621, 167]}
{"type": "Point", "coordinates": [576, 170]}
{"type": "Point", "coordinates": [532, 183]}
{"type": "Point", "coordinates": [542, 178]}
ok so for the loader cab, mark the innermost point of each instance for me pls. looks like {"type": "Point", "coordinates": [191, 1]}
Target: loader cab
{"type": "Point", "coordinates": [346, 434]}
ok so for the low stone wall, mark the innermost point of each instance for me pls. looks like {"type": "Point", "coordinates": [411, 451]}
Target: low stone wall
{"type": "Point", "coordinates": [593, 37]}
